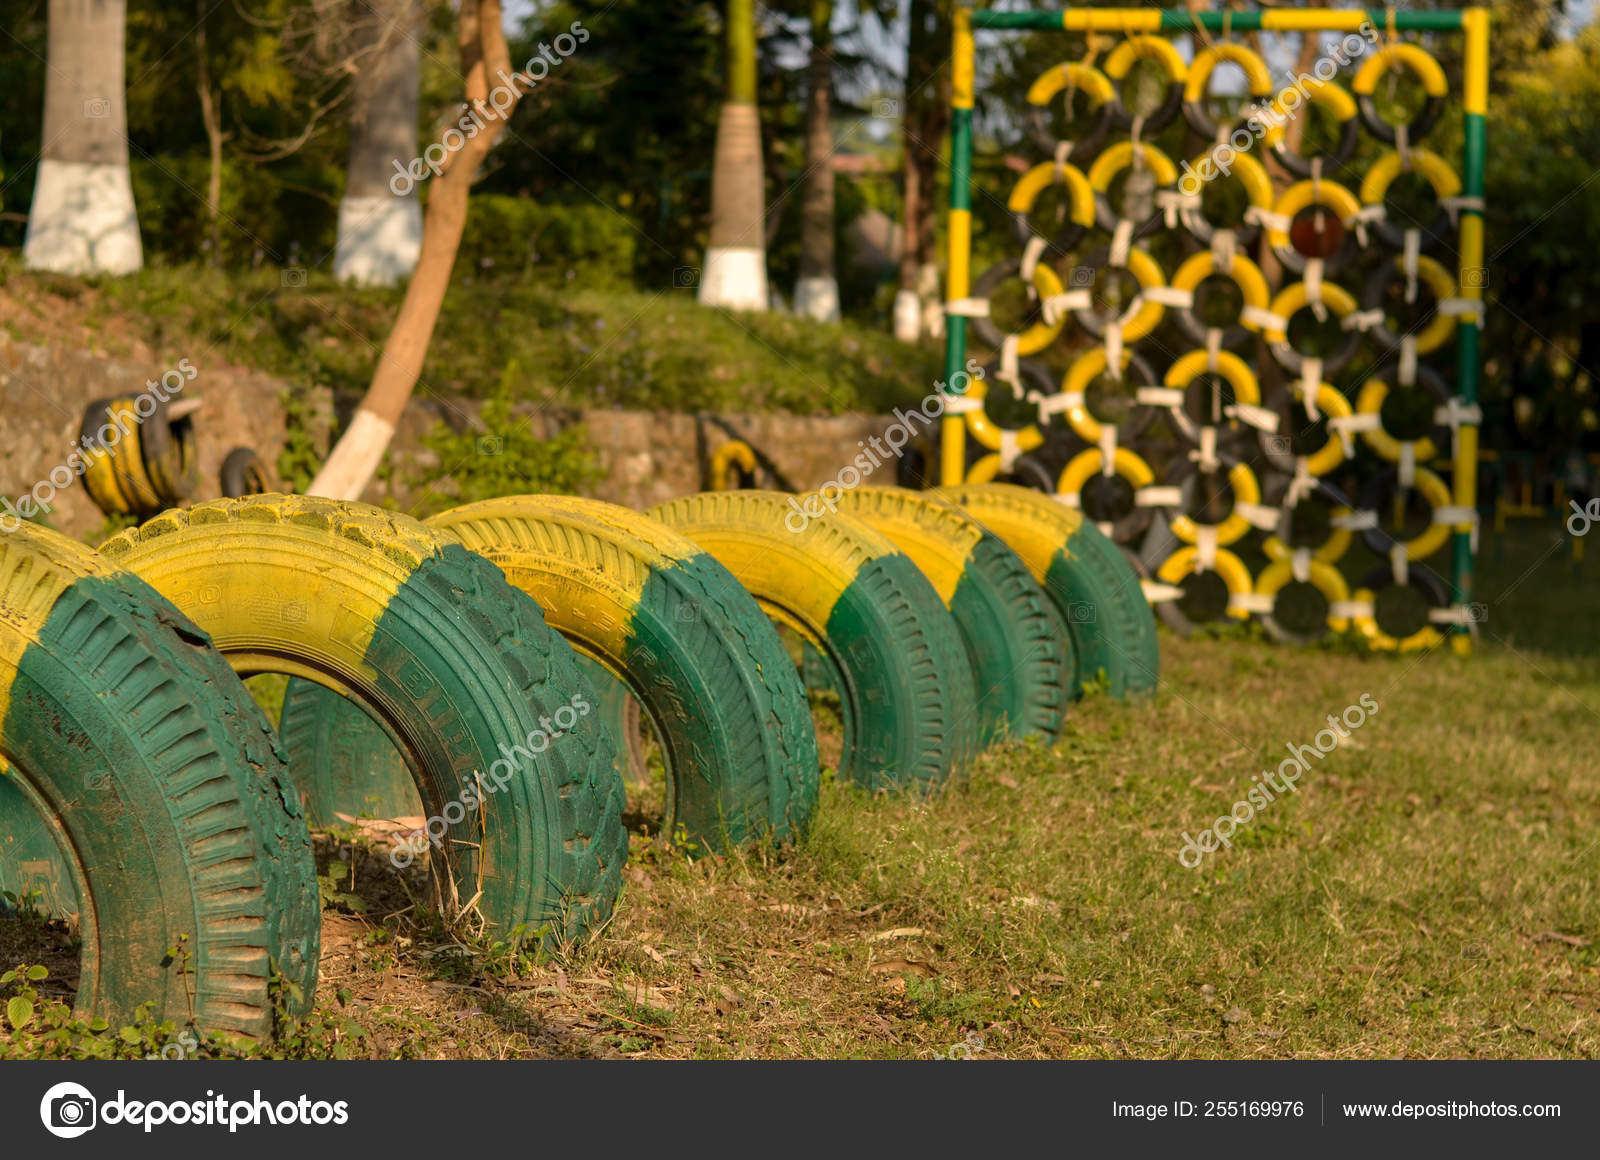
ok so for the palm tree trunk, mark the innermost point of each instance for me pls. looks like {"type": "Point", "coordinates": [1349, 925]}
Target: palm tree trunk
{"type": "Point", "coordinates": [816, 295]}
{"type": "Point", "coordinates": [360, 449]}
{"type": "Point", "coordinates": [735, 273]}
{"type": "Point", "coordinates": [211, 119]}
{"type": "Point", "coordinates": [380, 217]}
{"type": "Point", "coordinates": [82, 220]}
{"type": "Point", "coordinates": [926, 118]}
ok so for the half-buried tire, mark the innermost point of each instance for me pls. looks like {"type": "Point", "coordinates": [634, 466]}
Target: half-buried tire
{"type": "Point", "coordinates": [1016, 640]}
{"type": "Point", "coordinates": [693, 647]}
{"type": "Point", "coordinates": [143, 789]}
{"type": "Point", "coordinates": [896, 658]}
{"type": "Point", "coordinates": [1094, 587]}
{"type": "Point", "coordinates": [484, 701]}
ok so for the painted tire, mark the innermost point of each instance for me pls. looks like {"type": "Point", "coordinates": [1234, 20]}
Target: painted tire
{"type": "Point", "coordinates": [692, 646]}
{"type": "Point", "coordinates": [1095, 589]}
{"type": "Point", "coordinates": [1258, 78]}
{"type": "Point", "coordinates": [1407, 415]}
{"type": "Point", "coordinates": [1298, 434]}
{"type": "Point", "coordinates": [158, 783]}
{"type": "Point", "coordinates": [1440, 328]}
{"type": "Point", "coordinates": [1378, 496]}
{"type": "Point", "coordinates": [1252, 178]}
{"type": "Point", "coordinates": [1335, 200]}
{"type": "Point", "coordinates": [1324, 586]}
{"type": "Point", "coordinates": [1290, 301]}
{"type": "Point", "coordinates": [1112, 162]}
{"type": "Point", "coordinates": [1382, 174]}
{"type": "Point", "coordinates": [1109, 501]}
{"type": "Point", "coordinates": [243, 473]}
{"type": "Point", "coordinates": [344, 762]}
{"type": "Point", "coordinates": [1184, 474]}
{"type": "Point", "coordinates": [892, 650]}
{"type": "Point", "coordinates": [1340, 105]}
{"type": "Point", "coordinates": [1025, 196]}
{"type": "Point", "coordinates": [1198, 608]}
{"type": "Point", "coordinates": [1021, 654]}
{"type": "Point", "coordinates": [1088, 367]}
{"type": "Point", "coordinates": [1139, 319]}
{"type": "Point", "coordinates": [115, 474]}
{"type": "Point", "coordinates": [1423, 67]}
{"type": "Point", "coordinates": [170, 452]}
{"type": "Point", "coordinates": [1120, 61]}
{"type": "Point", "coordinates": [1381, 632]}
{"type": "Point", "coordinates": [1246, 275]}
{"type": "Point", "coordinates": [1309, 524]}
{"type": "Point", "coordinates": [1071, 74]}
{"type": "Point", "coordinates": [1038, 335]}
{"type": "Point", "coordinates": [1204, 391]}
{"type": "Point", "coordinates": [433, 642]}
{"type": "Point", "coordinates": [99, 477]}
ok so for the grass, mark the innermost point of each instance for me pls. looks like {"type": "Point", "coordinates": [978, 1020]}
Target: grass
{"type": "Point", "coordinates": [1429, 891]}
{"type": "Point", "coordinates": [570, 346]}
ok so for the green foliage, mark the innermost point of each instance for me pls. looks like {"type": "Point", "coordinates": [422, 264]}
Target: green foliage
{"type": "Point", "coordinates": [39, 1027]}
{"type": "Point", "coordinates": [300, 458]}
{"type": "Point", "coordinates": [518, 237]}
{"type": "Point", "coordinates": [505, 458]}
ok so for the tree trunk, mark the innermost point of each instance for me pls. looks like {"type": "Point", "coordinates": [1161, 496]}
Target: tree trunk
{"type": "Point", "coordinates": [360, 449]}
{"type": "Point", "coordinates": [211, 118]}
{"type": "Point", "coordinates": [816, 295]}
{"type": "Point", "coordinates": [926, 119]}
{"type": "Point", "coordinates": [82, 220]}
{"type": "Point", "coordinates": [380, 217]}
{"type": "Point", "coordinates": [735, 273]}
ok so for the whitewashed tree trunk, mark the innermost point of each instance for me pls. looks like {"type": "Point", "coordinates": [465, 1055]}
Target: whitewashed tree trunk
{"type": "Point", "coordinates": [82, 220]}
{"type": "Point", "coordinates": [735, 273]}
{"type": "Point", "coordinates": [380, 217]}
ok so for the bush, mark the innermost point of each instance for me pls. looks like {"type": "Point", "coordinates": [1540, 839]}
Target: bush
{"type": "Point", "coordinates": [520, 237]}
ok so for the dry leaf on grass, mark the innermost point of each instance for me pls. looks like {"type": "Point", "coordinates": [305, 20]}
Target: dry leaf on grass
{"type": "Point", "coordinates": [908, 966]}
{"type": "Point", "coordinates": [897, 932]}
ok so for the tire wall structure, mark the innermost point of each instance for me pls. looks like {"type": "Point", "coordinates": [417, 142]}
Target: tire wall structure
{"type": "Point", "coordinates": [1340, 398]}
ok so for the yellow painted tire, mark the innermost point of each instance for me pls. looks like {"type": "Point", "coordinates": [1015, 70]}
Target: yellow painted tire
{"type": "Point", "coordinates": [1340, 204]}
{"type": "Point", "coordinates": [987, 433]}
{"type": "Point", "coordinates": [1378, 496]}
{"type": "Point", "coordinates": [1246, 275]}
{"type": "Point", "coordinates": [1416, 60]}
{"type": "Point", "coordinates": [1109, 502]}
{"type": "Point", "coordinates": [1258, 80]}
{"type": "Point", "coordinates": [1018, 645]}
{"type": "Point", "coordinates": [1413, 424]}
{"type": "Point", "coordinates": [1441, 284]}
{"type": "Point", "coordinates": [458, 667]}
{"type": "Point", "coordinates": [1137, 321]}
{"type": "Point", "coordinates": [1192, 610]}
{"type": "Point", "coordinates": [1025, 196]}
{"type": "Point", "coordinates": [1300, 443]}
{"type": "Point", "coordinates": [1246, 489]}
{"type": "Point", "coordinates": [1112, 162]}
{"type": "Point", "coordinates": [1070, 75]}
{"type": "Point", "coordinates": [1037, 335]}
{"type": "Point", "coordinates": [1230, 367]}
{"type": "Point", "coordinates": [142, 790]}
{"type": "Point", "coordinates": [1332, 99]}
{"type": "Point", "coordinates": [889, 645]}
{"type": "Point", "coordinates": [1439, 174]}
{"type": "Point", "coordinates": [1324, 579]}
{"type": "Point", "coordinates": [1290, 301]}
{"type": "Point", "coordinates": [1252, 178]}
{"type": "Point", "coordinates": [1310, 525]}
{"type": "Point", "coordinates": [1094, 588]}
{"type": "Point", "coordinates": [1088, 367]}
{"type": "Point", "coordinates": [1160, 50]}
{"type": "Point", "coordinates": [1380, 638]}
{"type": "Point", "coordinates": [733, 456]}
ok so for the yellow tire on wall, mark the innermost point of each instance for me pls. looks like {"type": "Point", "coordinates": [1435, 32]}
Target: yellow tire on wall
{"type": "Point", "coordinates": [891, 648]}
{"type": "Point", "coordinates": [457, 665]}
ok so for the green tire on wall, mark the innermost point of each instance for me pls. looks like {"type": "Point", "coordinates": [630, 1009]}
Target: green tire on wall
{"type": "Point", "coordinates": [458, 665]}
{"type": "Point", "coordinates": [910, 718]}
{"type": "Point", "coordinates": [1094, 587]}
{"type": "Point", "coordinates": [1019, 647]}
{"type": "Point", "coordinates": [144, 793]}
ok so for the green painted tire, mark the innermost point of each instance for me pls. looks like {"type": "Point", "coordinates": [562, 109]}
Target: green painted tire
{"type": "Point", "coordinates": [1094, 587]}
{"type": "Point", "coordinates": [459, 666]}
{"type": "Point", "coordinates": [1021, 654]}
{"type": "Point", "coordinates": [344, 762]}
{"type": "Point", "coordinates": [663, 616]}
{"type": "Point", "coordinates": [910, 718]}
{"type": "Point", "coordinates": [142, 771]}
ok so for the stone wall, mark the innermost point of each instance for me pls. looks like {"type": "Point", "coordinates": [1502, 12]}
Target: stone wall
{"type": "Point", "coordinates": [647, 456]}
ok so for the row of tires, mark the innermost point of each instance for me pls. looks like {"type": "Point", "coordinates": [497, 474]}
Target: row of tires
{"type": "Point", "coordinates": [488, 652]}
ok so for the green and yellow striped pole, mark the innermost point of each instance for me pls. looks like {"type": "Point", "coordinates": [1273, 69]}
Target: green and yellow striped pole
{"type": "Point", "coordinates": [953, 444]}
